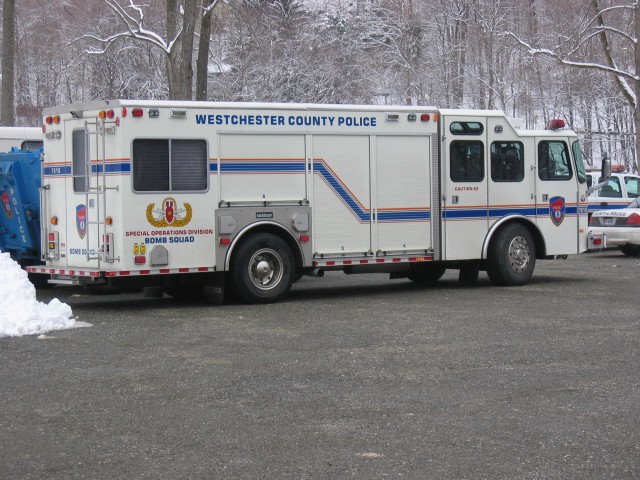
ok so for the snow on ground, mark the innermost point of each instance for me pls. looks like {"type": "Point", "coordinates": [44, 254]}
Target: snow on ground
{"type": "Point", "coordinates": [20, 312]}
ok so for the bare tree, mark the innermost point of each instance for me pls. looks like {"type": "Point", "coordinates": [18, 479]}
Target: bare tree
{"type": "Point", "coordinates": [177, 46]}
{"type": "Point", "coordinates": [7, 112]}
{"type": "Point", "coordinates": [202, 64]}
{"type": "Point", "coordinates": [577, 51]}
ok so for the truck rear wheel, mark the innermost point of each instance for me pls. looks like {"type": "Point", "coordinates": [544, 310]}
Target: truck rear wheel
{"type": "Point", "coordinates": [263, 269]}
{"type": "Point", "coordinates": [512, 256]}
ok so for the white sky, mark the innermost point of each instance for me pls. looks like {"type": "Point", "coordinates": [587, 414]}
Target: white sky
{"type": "Point", "coordinates": [20, 312]}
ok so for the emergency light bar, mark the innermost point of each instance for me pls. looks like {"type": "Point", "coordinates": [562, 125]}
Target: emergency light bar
{"type": "Point", "coordinates": [555, 124]}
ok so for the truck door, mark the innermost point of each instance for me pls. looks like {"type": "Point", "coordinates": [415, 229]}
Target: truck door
{"type": "Point", "coordinates": [464, 187]}
{"type": "Point", "coordinates": [557, 203]}
{"type": "Point", "coordinates": [82, 205]}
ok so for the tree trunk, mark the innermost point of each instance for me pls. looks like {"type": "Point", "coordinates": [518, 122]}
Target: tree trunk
{"type": "Point", "coordinates": [180, 56]}
{"type": "Point", "coordinates": [636, 85]}
{"type": "Point", "coordinates": [191, 8]}
{"type": "Point", "coordinates": [202, 64]}
{"type": "Point", "coordinates": [7, 112]}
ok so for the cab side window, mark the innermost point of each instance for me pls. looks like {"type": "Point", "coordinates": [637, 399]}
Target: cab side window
{"type": "Point", "coordinates": [507, 161]}
{"type": "Point", "coordinates": [553, 161]}
{"type": "Point", "coordinates": [466, 161]}
{"type": "Point", "coordinates": [612, 189]}
{"type": "Point", "coordinates": [633, 186]}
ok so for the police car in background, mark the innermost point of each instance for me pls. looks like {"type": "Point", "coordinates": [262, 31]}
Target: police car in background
{"type": "Point", "coordinates": [616, 193]}
{"type": "Point", "coordinates": [617, 228]}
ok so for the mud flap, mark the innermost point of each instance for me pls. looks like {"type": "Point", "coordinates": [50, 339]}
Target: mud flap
{"type": "Point", "coordinates": [213, 290]}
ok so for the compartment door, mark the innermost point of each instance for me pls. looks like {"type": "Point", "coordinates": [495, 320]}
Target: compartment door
{"type": "Point", "coordinates": [341, 195]}
{"type": "Point", "coordinates": [403, 194]}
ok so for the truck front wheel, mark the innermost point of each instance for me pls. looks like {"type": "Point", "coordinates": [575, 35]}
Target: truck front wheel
{"type": "Point", "coordinates": [512, 256]}
{"type": "Point", "coordinates": [263, 269]}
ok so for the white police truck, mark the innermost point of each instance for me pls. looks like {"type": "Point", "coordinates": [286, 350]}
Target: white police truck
{"type": "Point", "coordinates": [197, 197]}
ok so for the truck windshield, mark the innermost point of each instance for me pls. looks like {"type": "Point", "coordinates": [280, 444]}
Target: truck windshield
{"type": "Point", "coordinates": [577, 157]}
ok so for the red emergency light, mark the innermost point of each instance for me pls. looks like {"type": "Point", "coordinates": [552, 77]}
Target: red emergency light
{"type": "Point", "coordinates": [555, 124]}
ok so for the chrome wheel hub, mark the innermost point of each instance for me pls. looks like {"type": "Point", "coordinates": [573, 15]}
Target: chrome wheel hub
{"type": "Point", "coordinates": [265, 269]}
{"type": "Point", "coordinates": [519, 254]}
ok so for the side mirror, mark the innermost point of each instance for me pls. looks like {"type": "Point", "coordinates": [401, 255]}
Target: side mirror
{"type": "Point", "coordinates": [605, 174]}
{"type": "Point", "coordinates": [606, 167]}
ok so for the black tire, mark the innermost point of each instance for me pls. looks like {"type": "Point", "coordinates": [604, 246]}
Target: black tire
{"type": "Point", "coordinates": [630, 250]}
{"type": "Point", "coordinates": [426, 273]}
{"type": "Point", "coordinates": [512, 256]}
{"type": "Point", "coordinates": [262, 270]}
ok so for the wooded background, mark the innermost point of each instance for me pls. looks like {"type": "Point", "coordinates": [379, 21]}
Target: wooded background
{"type": "Point", "coordinates": [533, 59]}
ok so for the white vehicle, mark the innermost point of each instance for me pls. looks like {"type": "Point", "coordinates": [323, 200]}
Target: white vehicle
{"type": "Point", "coordinates": [617, 228]}
{"type": "Point", "coordinates": [185, 194]}
{"type": "Point", "coordinates": [616, 193]}
{"type": "Point", "coordinates": [24, 138]}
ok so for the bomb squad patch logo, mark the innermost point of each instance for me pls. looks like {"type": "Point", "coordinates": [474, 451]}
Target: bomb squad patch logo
{"type": "Point", "coordinates": [169, 215]}
{"type": "Point", "coordinates": [6, 205]}
{"type": "Point", "coordinates": [81, 220]}
{"type": "Point", "coordinates": [557, 208]}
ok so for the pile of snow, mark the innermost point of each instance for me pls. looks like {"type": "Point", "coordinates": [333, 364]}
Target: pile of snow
{"type": "Point", "coordinates": [20, 312]}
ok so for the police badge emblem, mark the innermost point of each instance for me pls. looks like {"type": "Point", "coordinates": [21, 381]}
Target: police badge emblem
{"type": "Point", "coordinates": [6, 205]}
{"type": "Point", "coordinates": [557, 208]}
{"type": "Point", "coordinates": [81, 220]}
